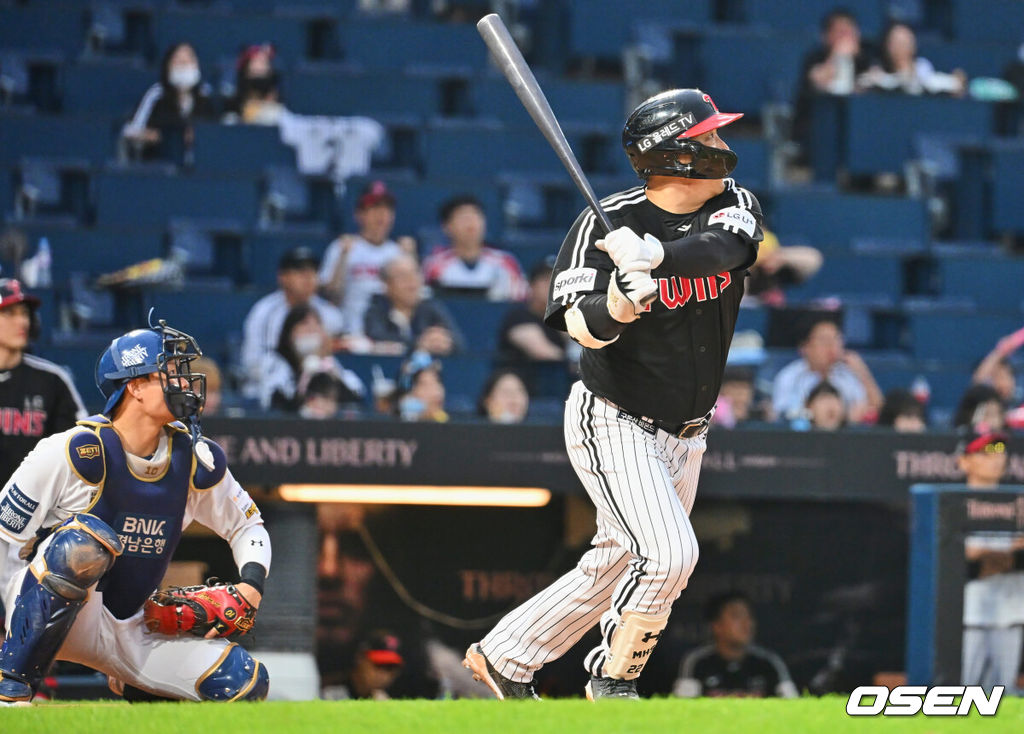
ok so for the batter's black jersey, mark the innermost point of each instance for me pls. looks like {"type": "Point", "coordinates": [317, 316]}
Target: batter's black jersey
{"type": "Point", "coordinates": [37, 398]}
{"type": "Point", "coordinates": [668, 364]}
{"type": "Point", "coordinates": [758, 674]}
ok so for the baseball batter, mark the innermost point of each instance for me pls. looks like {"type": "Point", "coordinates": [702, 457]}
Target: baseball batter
{"type": "Point", "coordinates": [91, 518]}
{"type": "Point", "coordinates": [654, 304]}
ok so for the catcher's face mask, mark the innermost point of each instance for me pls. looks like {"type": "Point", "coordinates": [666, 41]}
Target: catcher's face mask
{"type": "Point", "coordinates": [184, 390]}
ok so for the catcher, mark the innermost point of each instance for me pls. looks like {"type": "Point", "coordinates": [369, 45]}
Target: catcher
{"type": "Point", "coordinates": [89, 523]}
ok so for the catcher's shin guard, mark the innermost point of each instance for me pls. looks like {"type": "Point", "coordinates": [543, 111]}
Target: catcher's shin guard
{"type": "Point", "coordinates": [237, 676]}
{"type": "Point", "coordinates": [55, 588]}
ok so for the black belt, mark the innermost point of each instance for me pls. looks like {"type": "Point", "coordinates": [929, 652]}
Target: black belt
{"type": "Point", "coordinates": [686, 429]}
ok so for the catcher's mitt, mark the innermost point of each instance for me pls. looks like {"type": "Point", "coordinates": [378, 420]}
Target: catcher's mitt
{"type": "Point", "coordinates": [198, 609]}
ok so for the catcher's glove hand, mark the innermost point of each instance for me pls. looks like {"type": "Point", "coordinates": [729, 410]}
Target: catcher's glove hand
{"type": "Point", "coordinates": [198, 609]}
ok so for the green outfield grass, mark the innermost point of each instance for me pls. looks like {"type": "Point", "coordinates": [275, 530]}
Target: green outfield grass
{"type": "Point", "coordinates": [655, 716]}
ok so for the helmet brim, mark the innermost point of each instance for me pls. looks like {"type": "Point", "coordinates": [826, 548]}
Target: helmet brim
{"type": "Point", "coordinates": [715, 121]}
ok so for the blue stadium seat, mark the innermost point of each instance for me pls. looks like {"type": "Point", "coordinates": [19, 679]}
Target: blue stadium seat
{"type": "Point", "coordinates": [394, 44]}
{"type": "Point", "coordinates": [143, 197]}
{"type": "Point", "coordinates": [977, 57]}
{"type": "Point", "coordinates": [94, 250]}
{"type": "Point", "coordinates": [996, 20]}
{"type": "Point", "coordinates": [216, 34]}
{"type": "Point", "coordinates": [530, 247]}
{"type": "Point", "coordinates": [847, 274]}
{"type": "Point", "coordinates": [754, 168]}
{"type": "Point", "coordinates": [43, 28]}
{"type": "Point", "coordinates": [1007, 186]}
{"type": "Point", "coordinates": [902, 117]}
{"type": "Point", "coordinates": [452, 149]}
{"type": "Point", "coordinates": [464, 378]}
{"type": "Point", "coordinates": [958, 336]}
{"type": "Point", "coordinates": [601, 28]}
{"type": "Point", "coordinates": [593, 102]}
{"type": "Point", "coordinates": [808, 14]}
{"type": "Point", "coordinates": [829, 220]}
{"type": "Point", "coordinates": [239, 149]}
{"type": "Point", "coordinates": [330, 89]}
{"type": "Point", "coordinates": [479, 321]}
{"type": "Point", "coordinates": [987, 279]}
{"type": "Point", "coordinates": [65, 137]}
{"type": "Point", "coordinates": [105, 87]}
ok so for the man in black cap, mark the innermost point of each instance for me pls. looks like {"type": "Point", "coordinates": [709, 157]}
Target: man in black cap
{"type": "Point", "coordinates": [296, 281]}
{"type": "Point", "coordinates": [37, 397]}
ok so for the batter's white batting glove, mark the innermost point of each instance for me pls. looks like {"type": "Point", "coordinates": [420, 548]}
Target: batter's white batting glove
{"type": "Point", "coordinates": [623, 246]}
{"type": "Point", "coordinates": [629, 294]}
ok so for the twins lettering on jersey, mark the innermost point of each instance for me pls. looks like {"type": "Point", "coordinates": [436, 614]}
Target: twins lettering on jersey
{"type": "Point", "coordinates": [676, 292]}
{"type": "Point", "coordinates": [142, 535]}
{"type": "Point", "coordinates": [14, 422]}
{"type": "Point", "coordinates": [16, 509]}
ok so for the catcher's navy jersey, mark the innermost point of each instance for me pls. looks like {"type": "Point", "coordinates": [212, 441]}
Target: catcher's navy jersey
{"type": "Point", "coordinates": [668, 364]}
{"type": "Point", "coordinates": [147, 513]}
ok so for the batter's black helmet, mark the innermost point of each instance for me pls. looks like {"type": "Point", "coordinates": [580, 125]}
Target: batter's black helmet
{"type": "Point", "coordinates": [664, 126]}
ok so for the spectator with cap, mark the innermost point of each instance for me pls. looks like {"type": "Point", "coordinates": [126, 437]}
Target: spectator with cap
{"type": "Point", "coordinates": [161, 126]}
{"type": "Point", "coordinates": [523, 335]}
{"type": "Point", "coordinates": [401, 319]}
{"type": "Point", "coordinates": [257, 99]}
{"type": "Point", "coordinates": [296, 281]}
{"type": "Point", "coordinates": [350, 270]}
{"type": "Point", "coordinates": [732, 665]}
{"type": "Point", "coordinates": [377, 664]}
{"type": "Point", "coordinates": [37, 398]}
{"type": "Point", "coordinates": [980, 405]}
{"type": "Point", "coordinates": [420, 392]}
{"type": "Point", "coordinates": [994, 594]}
{"type": "Point", "coordinates": [468, 265]}
{"type": "Point", "coordinates": [823, 356]}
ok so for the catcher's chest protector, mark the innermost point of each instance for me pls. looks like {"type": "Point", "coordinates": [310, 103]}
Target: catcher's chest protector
{"type": "Point", "coordinates": [146, 513]}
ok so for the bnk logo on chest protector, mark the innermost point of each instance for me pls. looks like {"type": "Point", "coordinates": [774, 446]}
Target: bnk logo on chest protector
{"type": "Point", "coordinates": [143, 535]}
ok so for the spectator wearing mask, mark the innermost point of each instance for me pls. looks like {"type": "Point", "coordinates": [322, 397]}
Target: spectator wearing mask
{"type": "Point", "coordinates": [469, 266]}
{"type": "Point", "coordinates": [504, 398]}
{"type": "Point", "coordinates": [902, 412]}
{"type": "Point", "coordinates": [825, 357]}
{"type": "Point", "coordinates": [303, 350]}
{"type": "Point", "coordinates": [257, 99]}
{"type": "Point", "coordinates": [162, 124]}
{"type": "Point", "coordinates": [421, 392]}
{"type": "Point", "coordinates": [902, 70]}
{"type": "Point", "coordinates": [350, 272]}
{"type": "Point", "coordinates": [732, 665]}
{"type": "Point", "coordinates": [401, 319]}
{"type": "Point", "coordinates": [296, 281]}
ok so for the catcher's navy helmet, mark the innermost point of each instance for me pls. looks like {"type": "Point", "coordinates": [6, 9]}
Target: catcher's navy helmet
{"type": "Point", "coordinates": [663, 127]}
{"type": "Point", "coordinates": [154, 350]}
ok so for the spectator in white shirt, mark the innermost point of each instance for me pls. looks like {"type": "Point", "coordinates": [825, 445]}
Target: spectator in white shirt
{"type": "Point", "coordinates": [469, 265]}
{"type": "Point", "coordinates": [296, 280]}
{"type": "Point", "coordinates": [824, 357]}
{"type": "Point", "coordinates": [350, 270]}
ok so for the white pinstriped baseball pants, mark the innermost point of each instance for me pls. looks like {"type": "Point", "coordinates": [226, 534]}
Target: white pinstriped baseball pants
{"type": "Point", "coordinates": [643, 553]}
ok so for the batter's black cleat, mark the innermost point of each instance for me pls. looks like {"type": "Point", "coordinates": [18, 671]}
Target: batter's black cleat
{"type": "Point", "coordinates": [484, 672]}
{"type": "Point", "coordinates": [610, 688]}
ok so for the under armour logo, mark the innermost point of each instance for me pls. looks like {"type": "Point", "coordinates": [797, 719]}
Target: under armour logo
{"type": "Point", "coordinates": [256, 542]}
{"type": "Point", "coordinates": [648, 636]}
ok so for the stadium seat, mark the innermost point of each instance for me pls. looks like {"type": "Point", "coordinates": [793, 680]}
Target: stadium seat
{"type": "Point", "coordinates": [478, 320]}
{"type": "Point", "coordinates": [105, 87]}
{"type": "Point", "coordinates": [848, 274]}
{"type": "Point", "coordinates": [977, 57]}
{"type": "Point", "coordinates": [394, 44]}
{"type": "Point", "coordinates": [807, 14]}
{"type": "Point", "coordinates": [95, 250]}
{"type": "Point", "coordinates": [1007, 185]}
{"type": "Point", "coordinates": [1001, 20]}
{"type": "Point", "coordinates": [43, 28]}
{"type": "Point", "coordinates": [451, 149]}
{"type": "Point", "coordinates": [144, 197]}
{"type": "Point", "coordinates": [208, 315]}
{"type": "Point", "coordinates": [216, 34]}
{"type": "Point", "coordinates": [963, 336]}
{"type": "Point", "coordinates": [332, 89]}
{"type": "Point", "coordinates": [602, 28]}
{"type": "Point", "coordinates": [989, 280]}
{"type": "Point", "coordinates": [24, 135]}
{"type": "Point", "coordinates": [593, 102]}
{"type": "Point", "coordinates": [239, 149]}
{"type": "Point", "coordinates": [262, 249]}
{"type": "Point", "coordinates": [829, 220]}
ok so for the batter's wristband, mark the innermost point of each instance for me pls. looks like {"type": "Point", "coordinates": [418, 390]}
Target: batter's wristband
{"type": "Point", "coordinates": [254, 574]}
